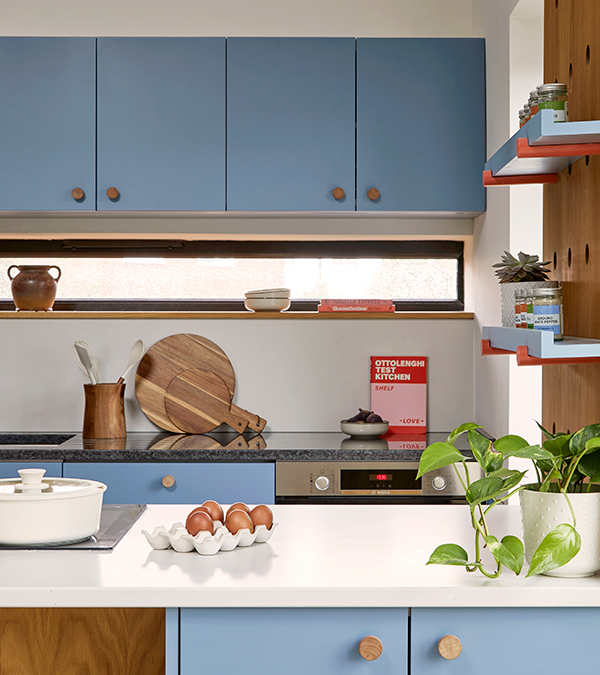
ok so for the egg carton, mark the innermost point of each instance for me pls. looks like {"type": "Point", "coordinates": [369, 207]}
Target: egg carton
{"type": "Point", "coordinates": [178, 538]}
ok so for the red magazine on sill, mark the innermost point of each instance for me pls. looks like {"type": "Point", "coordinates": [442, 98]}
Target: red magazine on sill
{"type": "Point", "coordinates": [399, 392]}
{"type": "Point", "coordinates": [369, 305]}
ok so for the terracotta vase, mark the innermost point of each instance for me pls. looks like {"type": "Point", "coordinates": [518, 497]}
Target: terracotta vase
{"type": "Point", "coordinates": [33, 287]}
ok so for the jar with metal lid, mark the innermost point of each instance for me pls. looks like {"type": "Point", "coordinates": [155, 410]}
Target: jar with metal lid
{"type": "Point", "coordinates": [527, 109]}
{"type": "Point", "coordinates": [529, 303]}
{"type": "Point", "coordinates": [548, 310]}
{"type": "Point", "coordinates": [522, 118]}
{"type": "Point", "coordinates": [533, 102]}
{"type": "Point", "coordinates": [554, 97]}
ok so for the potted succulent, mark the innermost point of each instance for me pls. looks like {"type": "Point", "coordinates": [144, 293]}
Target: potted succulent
{"type": "Point", "coordinates": [523, 273]}
{"type": "Point", "coordinates": [567, 469]}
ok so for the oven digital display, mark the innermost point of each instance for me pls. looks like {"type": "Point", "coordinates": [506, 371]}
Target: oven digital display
{"type": "Point", "coordinates": [367, 479]}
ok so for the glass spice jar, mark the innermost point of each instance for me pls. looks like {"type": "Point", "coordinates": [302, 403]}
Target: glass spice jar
{"type": "Point", "coordinates": [522, 118]}
{"type": "Point", "coordinates": [554, 97]}
{"type": "Point", "coordinates": [533, 102]}
{"type": "Point", "coordinates": [527, 109]}
{"type": "Point", "coordinates": [548, 310]}
{"type": "Point", "coordinates": [529, 303]}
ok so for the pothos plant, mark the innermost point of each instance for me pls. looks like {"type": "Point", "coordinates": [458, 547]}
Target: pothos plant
{"type": "Point", "coordinates": [565, 463]}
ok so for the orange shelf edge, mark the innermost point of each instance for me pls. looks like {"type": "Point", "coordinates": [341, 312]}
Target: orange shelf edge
{"type": "Point", "coordinates": [488, 350]}
{"type": "Point", "coordinates": [524, 359]}
{"type": "Point", "coordinates": [526, 151]}
{"type": "Point", "coordinates": [489, 180]}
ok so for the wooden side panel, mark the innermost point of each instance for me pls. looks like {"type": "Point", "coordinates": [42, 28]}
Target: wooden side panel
{"type": "Point", "coordinates": [75, 641]}
{"type": "Point", "coordinates": [571, 395]}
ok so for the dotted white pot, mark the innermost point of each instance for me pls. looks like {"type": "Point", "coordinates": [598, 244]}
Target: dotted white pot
{"type": "Point", "coordinates": [542, 511]}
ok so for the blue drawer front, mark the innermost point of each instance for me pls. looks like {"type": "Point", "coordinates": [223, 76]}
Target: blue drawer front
{"type": "Point", "coordinates": [47, 123]}
{"type": "Point", "coordinates": [133, 483]}
{"type": "Point", "coordinates": [161, 123]}
{"type": "Point", "coordinates": [526, 635]}
{"type": "Point", "coordinates": [421, 123]}
{"type": "Point", "coordinates": [9, 469]}
{"type": "Point", "coordinates": [291, 641]}
{"type": "Point", "coordinates": [290, 123]}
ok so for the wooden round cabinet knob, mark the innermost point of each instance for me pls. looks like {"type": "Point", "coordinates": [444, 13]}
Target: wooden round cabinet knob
{"type": "Point", "coordinates": [449, 647]}
{"type": "Point", "coordinates": [338, 193]}
{"type": "Point", "coordinates": [77, 193]}
{"type": "Point", "coordinates": [112, 193]}
{"type": "Point", "coordinates": [370, 648]}
{"type": "Point", "coordinates": [168, 481]}
{"type": "Point", "coordinates": [373, 194]}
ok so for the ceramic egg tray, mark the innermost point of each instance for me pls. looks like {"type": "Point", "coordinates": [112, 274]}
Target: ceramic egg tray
{"type": "Point", "coordinates": [179, 539]}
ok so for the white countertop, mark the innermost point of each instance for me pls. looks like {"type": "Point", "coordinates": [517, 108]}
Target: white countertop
{"type": "Point", "coordinates": [318, 556]}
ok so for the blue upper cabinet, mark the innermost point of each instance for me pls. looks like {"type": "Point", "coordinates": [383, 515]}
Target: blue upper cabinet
{"type": "Point", "coordinates": [290, 124]}
{"type": "Point", "coordinates": [420, 124]}
{"type": "Point", "coordinates": [47, 123]}
{"type": "Point", "coordinates": [161, 124]}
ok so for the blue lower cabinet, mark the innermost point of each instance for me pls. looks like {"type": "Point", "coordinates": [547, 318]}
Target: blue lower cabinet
{"type": "Point", "coordinates": [297, 641]}
{"type": "Point", "coordinates": [179, 483]}
{"type": "Point", "coordinates": [9, 469]}
{"type": "Point", "coordinates": [500, 640]}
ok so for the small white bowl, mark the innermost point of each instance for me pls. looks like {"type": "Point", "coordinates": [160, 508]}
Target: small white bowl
{"type": "Point", "coordinates": [267, 304]}
{"type": "Point", "coordinates": [364, 429]}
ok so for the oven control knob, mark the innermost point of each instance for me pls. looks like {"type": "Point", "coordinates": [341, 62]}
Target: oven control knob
{"type": "Point", "coordinates": [438, 483]}
{"type": "Point", "coordinates": [322, 483]}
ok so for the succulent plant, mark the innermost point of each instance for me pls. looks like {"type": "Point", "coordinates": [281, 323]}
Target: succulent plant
{"type": "Point", "coordinates": [524, 268]}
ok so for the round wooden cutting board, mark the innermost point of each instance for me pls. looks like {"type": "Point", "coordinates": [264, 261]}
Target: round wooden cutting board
{"type": "Point", "coordinates": [165, 360]}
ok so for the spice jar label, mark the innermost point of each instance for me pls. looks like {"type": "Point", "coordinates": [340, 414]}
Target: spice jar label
{"type": "Point", "coordinates": [548, 317]}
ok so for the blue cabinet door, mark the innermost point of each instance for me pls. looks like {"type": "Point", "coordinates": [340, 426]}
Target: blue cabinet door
{"type": "Point", "coordinates": [161, 123]}
{"type": "Point", "coordinates": [420, 124]}
{"type": "Point", "coordinates": [141, 483]}
{"type": "Point", "coordinates": [500, 640]}
{"type": "Point", "coordinates": [9, 469]}
{"type": "Point", "coordinates": [47, 123]}
{"type": "Point", "coordinates": [290, 124]}
{"type": "Point", "coordinates": [296, 641]}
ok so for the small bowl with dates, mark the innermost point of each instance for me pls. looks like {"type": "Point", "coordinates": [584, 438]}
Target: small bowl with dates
{"type": "Point", "coordinates": [365, 423]}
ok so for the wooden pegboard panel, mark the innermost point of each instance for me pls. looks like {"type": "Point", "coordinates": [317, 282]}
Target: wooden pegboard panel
{"type": "Point", "coordinates": [571, 394]}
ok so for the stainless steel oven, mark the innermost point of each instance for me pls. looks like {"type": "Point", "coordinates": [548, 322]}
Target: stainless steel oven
{"type": "Point", "coordinates": [368, 482]}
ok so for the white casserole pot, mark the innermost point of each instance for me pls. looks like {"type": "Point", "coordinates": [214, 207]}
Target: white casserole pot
{"type": "Point", "coordinates": [55, 511]}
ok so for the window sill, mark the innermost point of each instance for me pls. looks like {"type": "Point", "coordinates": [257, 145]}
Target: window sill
{"type": "Point", "coordinates": [326, 316]}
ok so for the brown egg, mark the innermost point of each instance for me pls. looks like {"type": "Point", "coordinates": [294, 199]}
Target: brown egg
{"type": "Point", "coordinates": [215, 510]}
{"type": "Point", "coordinates": [202, 509]}
{"type": "Point", "coordinates": [262, 515]}
{"type": "Point", "coordinates": [238, 506]}
{"type": "Point", "coordinates": [197, 522]}
{"type": "Point", "coordinates": [238, 520]}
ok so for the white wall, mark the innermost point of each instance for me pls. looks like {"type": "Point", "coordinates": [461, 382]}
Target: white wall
{"type": "Point", "coordinates": [299, 375]}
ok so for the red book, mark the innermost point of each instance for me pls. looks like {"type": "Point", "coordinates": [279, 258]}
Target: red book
{"type": "Point", "coordinates": [399, 392]}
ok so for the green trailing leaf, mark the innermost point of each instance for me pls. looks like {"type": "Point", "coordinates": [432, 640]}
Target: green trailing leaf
{"type": "Point", "coordinates": [534, 452]}
{"type": "Point", "coordinates": [438, 455]}
{"type": "Point", "coordinates": [558, 547]}
{"type": "Point", "coordinates": [493, 459]}
{"type": "Point", "coordinates": [512, 481]}
{"type": "Point", "coordinates": [580, 439]}
{"type": "Point", "coordinates": [592, 445]}
{"type": "Point", "coordinates": [590, 466]}
{"type": "Point", "coordinates": [504, 472]}
{"type": "Point", "coordinates": [559, 446]}
{"type": "Point", "coordinates": [546, 433]}
{"type": "Point", "coordinates": [451, 554]}
{"type": "Point", "coordinates": [509, 444]}
{"type": "Point", "coordinates": [508, 552]}
{"type": "Point", "coordinates": [479, 446]}
{"type": "Point", "coordinates": [483, 489]}
{"type": "Point", "coordinates": [461, 430]}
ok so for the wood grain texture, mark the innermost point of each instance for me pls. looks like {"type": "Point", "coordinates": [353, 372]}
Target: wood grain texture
{"type": "Point", "coordinates": [98, 641]}
{"type": "Point", "coordinates": [571, 396]}
{"type": "Point", "coordinates": [104, 412]}
{"type": "Point", "coordinates": [198, 401]}
{"type": "Point", "coordinates": [200, 442]}
{"type": "Point", "coordinates": [370, 648]}
{"type": "Point", "coordinates": [168, 358]}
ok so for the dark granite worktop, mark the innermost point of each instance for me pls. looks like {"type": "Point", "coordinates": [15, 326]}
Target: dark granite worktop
{"type": "Point", "coordinates": [216, 447]}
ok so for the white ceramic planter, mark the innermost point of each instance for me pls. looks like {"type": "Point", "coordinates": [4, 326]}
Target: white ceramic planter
{"type": "Point", "coordinates": [542, 511]}
{"type": "Point", "coordinates": [507, 297]}
{"type": "Point", "coordinates": [55, 511]}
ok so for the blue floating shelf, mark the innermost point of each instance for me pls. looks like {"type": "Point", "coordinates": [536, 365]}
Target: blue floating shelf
{"type": "Point", "coordinates": [546, 148]}
{"type": "Point", "coordinates": [538, 347]}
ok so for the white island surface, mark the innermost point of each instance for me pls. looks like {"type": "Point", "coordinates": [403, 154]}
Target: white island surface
{"type": "Point", "coordinates": [318, 556]}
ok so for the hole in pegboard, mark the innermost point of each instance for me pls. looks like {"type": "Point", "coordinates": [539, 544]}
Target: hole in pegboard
{"type": "Point", "coordinates": [587, 160]}
{"type": "Point", "coordinates": [553, 428]}
{"type": "Point", "coordinates": [569, 257]}
{"type": "Point", "coordinates": [570, 72]}
{"type": "Point", "coordinates": [568, 431]}
{"type": "Point", "coordinates": [569, 169]}
{"type": "Point", "coordinates": [587, 254]}
{"type": "Point", "coordinates": [555, 4]}
{"type": "Point", "coordinates": [587, 55]}
{"type": "Point", "coordinates": [554, 260]}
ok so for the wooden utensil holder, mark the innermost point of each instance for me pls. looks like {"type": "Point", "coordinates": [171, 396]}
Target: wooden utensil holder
{"type": "Point", "coordinates": [104, 413]}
